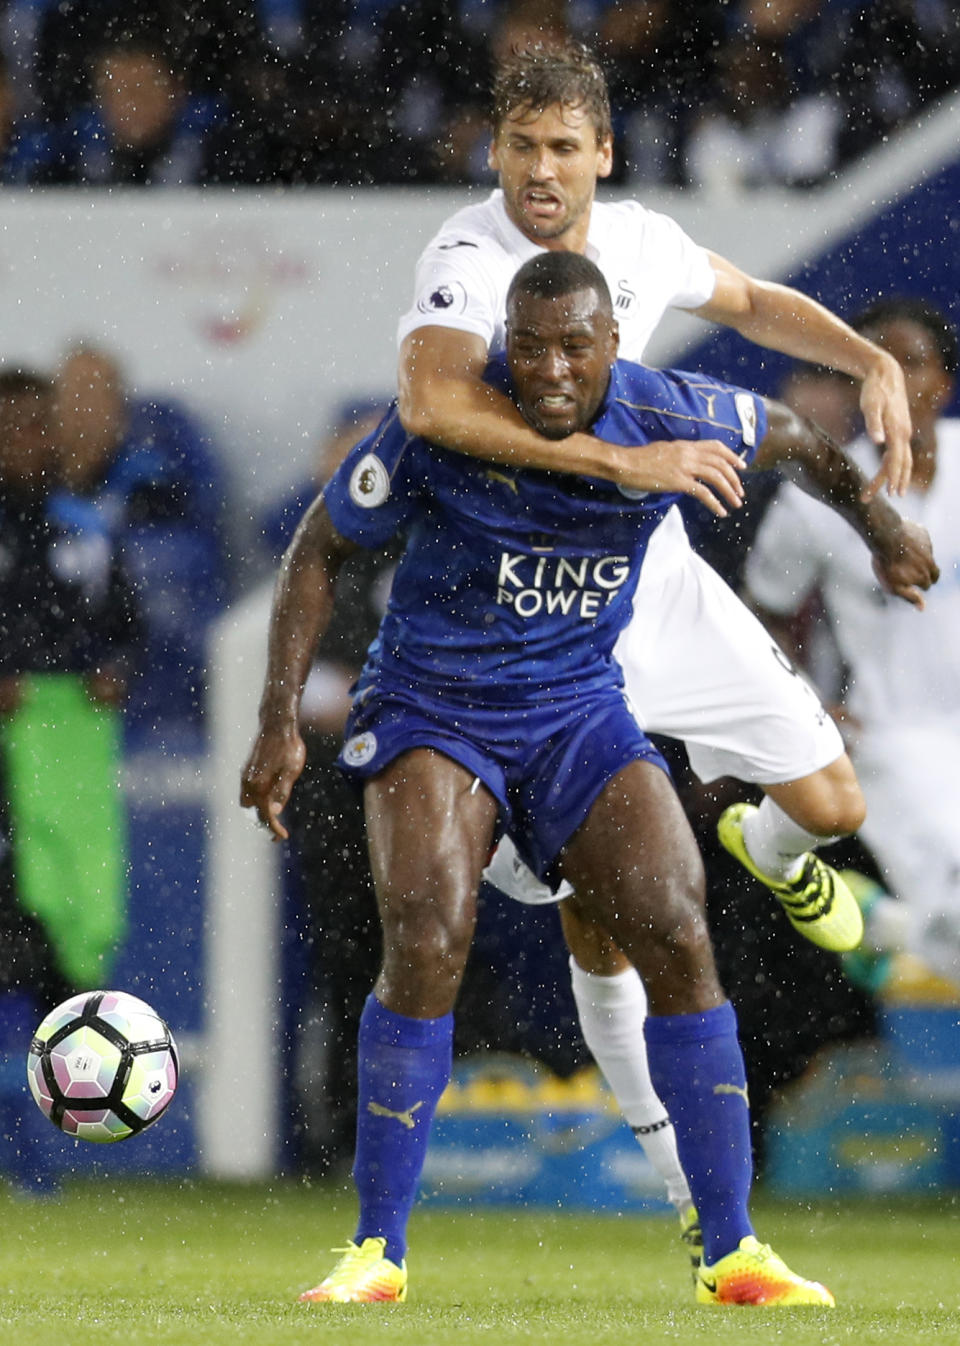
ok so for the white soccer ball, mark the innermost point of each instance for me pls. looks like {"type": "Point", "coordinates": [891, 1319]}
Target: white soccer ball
{"type": "Point", "coordinates": [103, 1066]}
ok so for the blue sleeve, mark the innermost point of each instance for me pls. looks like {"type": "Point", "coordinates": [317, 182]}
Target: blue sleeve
{"type": "Point", "coordinates": [735, 416]}
{"type": "Point", "coordinates": [649, 404]}
{"type": "Point", "coordinates": [377, 489]}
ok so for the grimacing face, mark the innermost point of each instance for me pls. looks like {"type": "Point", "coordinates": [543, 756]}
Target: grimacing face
{"type": "Point", "coordinates": [560, 351]}
{"type": "Point", "coordinates": [548, 161]}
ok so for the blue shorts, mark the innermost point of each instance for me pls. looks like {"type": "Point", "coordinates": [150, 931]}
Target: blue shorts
{"type": "Point", "coordinates": [545, 764]}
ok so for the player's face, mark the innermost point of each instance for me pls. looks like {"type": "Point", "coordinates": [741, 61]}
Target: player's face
{"type": "Point", "coordinates": [560, 352]}
{"type": "Point", "coordinates": [929, 386]}
{"type": "Point", "coordinates": [548, 162]}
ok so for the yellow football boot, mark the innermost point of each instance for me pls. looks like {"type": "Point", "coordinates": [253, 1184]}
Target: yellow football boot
{"type": "Point", "coordinates": [754, 1274]}
{"type": "Point", "coordinates": [818, 902]}
{"type": "Point", "coordinates": [362, 1276]}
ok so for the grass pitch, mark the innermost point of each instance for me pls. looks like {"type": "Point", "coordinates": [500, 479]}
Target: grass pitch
{"type": "Point", "coordinates": [195, 1264]}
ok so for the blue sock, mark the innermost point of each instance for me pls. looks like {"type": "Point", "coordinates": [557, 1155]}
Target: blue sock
{"type": "Point", "coordinates": [697, 1069]}
{"type": "Point", "coordinates": [404, 1066]}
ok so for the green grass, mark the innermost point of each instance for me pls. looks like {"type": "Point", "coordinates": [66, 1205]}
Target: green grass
{"type": "Point", "coordinates": [197, 1264]}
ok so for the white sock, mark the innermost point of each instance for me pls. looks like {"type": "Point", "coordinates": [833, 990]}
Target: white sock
{"type": "Point", "coordinates": [612, 1011]}
{"type": "Point", "coordinates": [775, 842]}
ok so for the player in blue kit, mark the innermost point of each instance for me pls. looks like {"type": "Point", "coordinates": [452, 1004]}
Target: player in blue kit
{"type": "Point", "coordinates": [491, 700]}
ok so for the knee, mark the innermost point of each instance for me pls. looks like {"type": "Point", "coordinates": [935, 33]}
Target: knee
{"type": "Point", "coordinates": [424, 943]}
{"type": "Point", "coordinates": [683, 934]}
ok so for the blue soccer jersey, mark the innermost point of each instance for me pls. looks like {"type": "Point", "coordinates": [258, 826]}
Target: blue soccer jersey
{"type": "Point", "coordinates": [518, 582]}
{"type": "Point", "coordinates": [496, 648]}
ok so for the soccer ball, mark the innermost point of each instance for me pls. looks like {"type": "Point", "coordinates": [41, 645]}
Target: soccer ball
{"type": "Point", "coordinates": [103, 1066]}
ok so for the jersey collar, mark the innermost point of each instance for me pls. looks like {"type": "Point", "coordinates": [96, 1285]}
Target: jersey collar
{"type": "Point", "coordinates": [516, 241]}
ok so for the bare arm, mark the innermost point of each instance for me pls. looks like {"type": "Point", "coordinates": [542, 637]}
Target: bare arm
{"type": "Point", "coordinates": [785, 320]}
{"type": "Point", "coordinates": [902, 555]}
{"type": "Point", "coordinates": [301, 612]}
{"type": "Point", "coordinates": [443, 398]}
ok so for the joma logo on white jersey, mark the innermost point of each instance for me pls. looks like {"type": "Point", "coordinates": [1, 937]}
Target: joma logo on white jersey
{"type": "Point", "coordinates": [578, 587]}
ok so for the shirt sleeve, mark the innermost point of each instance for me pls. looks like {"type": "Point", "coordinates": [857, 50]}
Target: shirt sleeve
{"type": "Point", "coordinates": [677, 404]}
{"type": "Point", "coordinates": [375, 492]}
{"type": "Point", "coordinates": [454, 287]}
{"type": "Point", "coordinates": [785, 562]}
{"type": "Point", "coordinates": [662, 241]}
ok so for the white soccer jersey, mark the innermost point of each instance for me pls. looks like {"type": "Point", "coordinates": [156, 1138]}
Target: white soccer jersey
{"type": "Point", "coordinates": [649, 263]}
{"type": "Point", "coordinates": [696, 665]}
{"type": "Point", "coordinates": [905, 664]}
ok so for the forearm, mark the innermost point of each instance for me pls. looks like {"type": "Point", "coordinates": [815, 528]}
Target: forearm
{"type": "Point", "coordinates": [785, 320]}
{"type": "Point", "coordinates": [443, 398]}
{"type": "Point", "coordinates": [469, 416]}
{"type": "Point", "coordinates": [809, 457]}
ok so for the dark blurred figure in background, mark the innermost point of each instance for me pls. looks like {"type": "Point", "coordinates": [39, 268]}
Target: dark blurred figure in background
{"type": "Point", "coordinates": [144, 126]}
{"type": "Point", "coordinates": [67, 629]}
{"type": "Point", "coordinates": [354, 91]}
{"type": "Point", "coordinates": [658, 56]}
{"type": "Point", "coordinates": [30, 153]}
{"type": "Point", "coordinates": [205, 40]}
{"type": "Point", "coordinates": [151, 475]}
{"type": "Point", "coordinates": [756, 129]}
{"type": "Point", "coordinates": [897, 56]}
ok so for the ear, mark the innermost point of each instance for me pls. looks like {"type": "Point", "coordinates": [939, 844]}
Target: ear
{"type": "Point", "coordinates": [614, 341]}
{"type": "Point", "coordinates": [605, 157]}
{"type": "Point", "coordinates": [493, 159]}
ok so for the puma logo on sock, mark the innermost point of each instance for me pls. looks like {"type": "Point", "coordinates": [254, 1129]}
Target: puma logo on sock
{"type": "Point", "coordinates": [404, 1118]}
{"type": "Point", "coordinates": [732, 1089]}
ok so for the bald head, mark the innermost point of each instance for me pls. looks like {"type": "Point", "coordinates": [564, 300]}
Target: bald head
{"type": "Point", "coordinates": [561, 341]}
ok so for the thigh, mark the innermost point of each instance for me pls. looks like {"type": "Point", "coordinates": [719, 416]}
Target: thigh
{"type": "Point", "coordinates": [430, 829]}
{"type": "Point", "coordinates": [636, 869]}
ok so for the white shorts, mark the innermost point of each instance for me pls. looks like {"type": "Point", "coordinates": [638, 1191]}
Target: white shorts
{"type": "Point", "coordinates": [700, 667]}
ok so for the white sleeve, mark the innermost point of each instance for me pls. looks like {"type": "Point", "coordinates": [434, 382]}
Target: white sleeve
{"type": "Point", "coordinates": [454, 287]}
{"type": "Point", "coordinates": [786, 559]}
{"type": "Point", "coordinates": [661, 243]}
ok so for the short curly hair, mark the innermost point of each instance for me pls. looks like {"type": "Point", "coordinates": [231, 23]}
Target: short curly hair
{"type": "Point", "coordinates": [538, 76]}
{"type": "Point", "coordinates": [909, 308]}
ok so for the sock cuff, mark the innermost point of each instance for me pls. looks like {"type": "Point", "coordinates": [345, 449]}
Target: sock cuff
{"type": "Point", "coordinates": [602, 989]}
{"type": "Point", "coordinates": [712, 1023]}
{"type": "Point", "coordinates": [379, 1024]}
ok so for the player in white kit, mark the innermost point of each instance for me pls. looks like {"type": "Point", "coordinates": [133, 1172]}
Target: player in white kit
{"type": "Point", "coordinates": [697, 666]}
{"type": "Point", "coordinates": [904, 669]}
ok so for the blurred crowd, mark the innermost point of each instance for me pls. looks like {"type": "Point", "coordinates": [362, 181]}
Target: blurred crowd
{"type": "Point", "coordinates": [719, 95]}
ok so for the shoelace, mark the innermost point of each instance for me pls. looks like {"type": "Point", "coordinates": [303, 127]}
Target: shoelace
{"type": "Point", "coordinates": [352, 1254]}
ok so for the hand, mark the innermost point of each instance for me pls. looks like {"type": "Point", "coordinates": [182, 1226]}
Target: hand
{"type": "Point", "coordinates": [705, 469]}
{"type": "Point", "coordinates": [276, 760]}
{"type": "Point", "coordinates": [905, 565]}
{"type": "Point", "coordinates": [886, 415]}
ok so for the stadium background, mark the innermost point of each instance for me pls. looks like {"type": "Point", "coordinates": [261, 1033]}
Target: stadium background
{"type": "Point", "coordinates": [262, 313]}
